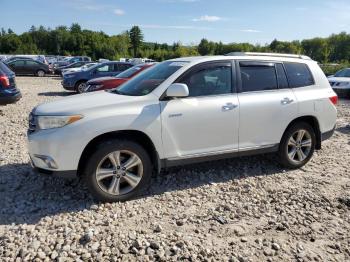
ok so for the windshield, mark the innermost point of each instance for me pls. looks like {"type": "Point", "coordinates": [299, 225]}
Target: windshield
{"type": "Point", "coordinates": [128, 73]}
{"type": "Point", "coordinates": [145, 82]}
{"type": "Point", "coordinates": [84, 67]}
{"type": "Point", "coordinates": [343, 73]}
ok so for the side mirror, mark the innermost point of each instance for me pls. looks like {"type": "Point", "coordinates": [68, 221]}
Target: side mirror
{"type": "Point", "coordinates": [177, 90]}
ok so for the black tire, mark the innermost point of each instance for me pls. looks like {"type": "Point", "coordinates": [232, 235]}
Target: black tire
{"type": "Point", "coordinates": [284, 158]}
{"type": "Point", "coordinates": [40, 73]}
{"type": "Point", "coordinates": [103, 150]}
{"type": "Point", "coordinates": [78, 86]}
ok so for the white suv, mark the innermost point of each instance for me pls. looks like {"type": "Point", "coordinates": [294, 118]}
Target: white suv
{"type": "Point", "coordinates": [183, 111]}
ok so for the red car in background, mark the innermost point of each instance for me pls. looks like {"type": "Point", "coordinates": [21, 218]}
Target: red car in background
{"type": "Point", "coordinates": [104, 83]}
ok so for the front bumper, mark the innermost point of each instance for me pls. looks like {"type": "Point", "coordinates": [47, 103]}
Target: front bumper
{"type": "Point", "coordinates": [60, 146]}
{"type": "Point", "coordinates": [68, 84]}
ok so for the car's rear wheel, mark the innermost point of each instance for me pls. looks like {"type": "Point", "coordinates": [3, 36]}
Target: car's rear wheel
{"type": "Point", "coordinates": [117, 171]}
{"type": "Point", "coordinates": [40, 73]}
{"type": "Point", "coordinates": [80, 87]}
{"type": "Point", "coordinates": [297, 145]}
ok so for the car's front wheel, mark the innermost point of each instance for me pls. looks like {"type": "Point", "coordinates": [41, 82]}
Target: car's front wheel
{"type": "Point", "coordinates": [80, 87]}
{"type": "Point", "coordinates": [40, 73]}
{"type": "Point", "coordinates": [117, 171]}
{"type": "Point", "coordinates": [297, 145]}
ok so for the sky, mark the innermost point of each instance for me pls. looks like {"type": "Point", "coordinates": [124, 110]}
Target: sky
{"type": "Point", "coordinates": [187, 21]}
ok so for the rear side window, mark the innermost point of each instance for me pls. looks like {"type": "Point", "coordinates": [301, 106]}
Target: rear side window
{"type": "Point", "coordinates": [5, 69]}
{"type": "Point", "coordinates": [258, 77]}
{"type": "Point", "coordinates": [299, 75]}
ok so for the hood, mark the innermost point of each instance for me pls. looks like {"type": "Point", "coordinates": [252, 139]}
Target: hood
{"type": "Point", "coordinates": [101, 79]}
{"type": "Point", "coordinates": [79, 104]}
{"type": "Point", "coordinates": [339, 79]}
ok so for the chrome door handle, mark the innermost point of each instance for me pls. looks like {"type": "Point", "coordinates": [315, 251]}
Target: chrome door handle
{"type": "Point", "coordinates": [286, 101]}
{"type": "Point", "coordinates": [228, 107]}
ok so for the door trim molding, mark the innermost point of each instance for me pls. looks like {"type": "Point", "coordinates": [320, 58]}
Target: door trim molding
{"type": "Point", "coordinates": [212, 156]}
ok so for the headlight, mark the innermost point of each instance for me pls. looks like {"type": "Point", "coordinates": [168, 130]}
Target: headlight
{"type": "Point", "coordinates": [48, 122]}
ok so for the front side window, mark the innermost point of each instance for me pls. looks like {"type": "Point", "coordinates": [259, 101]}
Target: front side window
{"type": "Point", "coordinates": [31, 63]}
{"type": "Point", "coordinates": [148, 80]}
{"type": "Point", "coordinates": [104, 68]}
{"type": "Point", "coordinates": [258, 77]}
{"type": "Point", "coordinates": [213, 80]}
{"type": "Point", "coordinates": [299, 75]}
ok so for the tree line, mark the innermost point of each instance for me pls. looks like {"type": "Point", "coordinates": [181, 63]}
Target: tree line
{"type": "Point", "coordinates": [74, 40]}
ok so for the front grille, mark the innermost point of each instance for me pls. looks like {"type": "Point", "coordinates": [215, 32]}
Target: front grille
{"type": "Point", "coordinates": [32, 123]}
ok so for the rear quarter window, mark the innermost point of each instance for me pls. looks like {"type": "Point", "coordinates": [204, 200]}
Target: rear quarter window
{"type": "Point", "coordinates": [299, 75]}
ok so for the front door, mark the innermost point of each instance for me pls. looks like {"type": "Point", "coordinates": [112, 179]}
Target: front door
{"type": "Point", "coordinates": [267, 104]}
{"type": "Point", "coordinates": [206, 122]}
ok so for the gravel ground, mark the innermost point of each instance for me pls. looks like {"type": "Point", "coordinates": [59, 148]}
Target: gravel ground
{"type": "Point", "coordinates": [245, 209]}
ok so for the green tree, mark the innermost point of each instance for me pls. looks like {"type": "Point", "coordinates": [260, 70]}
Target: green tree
{"type": "Point", "coordinates": [136, 39]}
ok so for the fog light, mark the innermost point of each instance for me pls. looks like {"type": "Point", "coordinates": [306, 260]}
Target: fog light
{"type": "Point", "coordinates": [49, 162]}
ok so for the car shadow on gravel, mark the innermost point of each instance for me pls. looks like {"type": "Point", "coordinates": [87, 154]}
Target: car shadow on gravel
{"type": "Point", "coordinates": [344, 129]}
{"type": "Point", "coordinates": [56, 94]}
{"type": "Point", "coordinates": [28, 197]}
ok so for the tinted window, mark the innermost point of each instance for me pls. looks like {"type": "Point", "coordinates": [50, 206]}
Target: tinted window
{"type": "Point", "coordinates": [104, 68]}
{"type": "Point", "coordinates": [343, 73]}
{"type": "Point", "coordinates": [257, 77]}
{"type": "Point", "coordinates": [214, 80]}
{"type": "Point", "coordinates": [5, 69]}
{"type": "Point", "coordinates": [123, 67]}
{"type": "Point", "coordinates": [128, 73]}
{"type": "Point", "coordinates": [31, 63]}
{"type": "Point", "coordinates": [281, 77]}
{"type": "Point", "coordinates": [18, 63]}
{"type": "Point", "coordinates": [298, 75]}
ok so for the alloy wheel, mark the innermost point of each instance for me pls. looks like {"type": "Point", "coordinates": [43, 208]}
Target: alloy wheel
{"type": "Point", "coordinates": [119, 172]}
{"type": "Point", "coordinates": [41, 73]}
{"type": "Point", "coordinates": [299, 146]}
{"type": "Point", "coordinates": [81, 87]}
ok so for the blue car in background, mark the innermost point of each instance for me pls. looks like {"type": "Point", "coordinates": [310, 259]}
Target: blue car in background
{"type": "Point", "coordinates": [9, 93]}
{"type": "Point", "coordinates": [76, 81]}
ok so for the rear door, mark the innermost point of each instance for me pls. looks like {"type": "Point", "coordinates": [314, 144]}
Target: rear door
{"type": "Point", "coordinates": [267, 104]}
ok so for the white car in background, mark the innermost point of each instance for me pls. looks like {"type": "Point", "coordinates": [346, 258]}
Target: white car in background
{"type": "Point", "coordinates": [84, 67]}
{"type": "Point", "coordinates": [340, 82]}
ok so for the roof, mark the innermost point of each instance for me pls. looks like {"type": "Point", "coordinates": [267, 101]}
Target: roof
{"type": "Point", "coordinates": [246, 56]}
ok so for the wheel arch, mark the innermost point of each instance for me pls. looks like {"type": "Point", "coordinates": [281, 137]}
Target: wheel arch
{"type": "Point", "coordinates": [313, 122]}
{"type": "Point", "coordinates": [132, 135]}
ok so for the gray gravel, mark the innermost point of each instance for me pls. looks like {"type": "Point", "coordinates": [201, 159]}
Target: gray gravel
{"type": "Point", "coordinates": [245, 209]}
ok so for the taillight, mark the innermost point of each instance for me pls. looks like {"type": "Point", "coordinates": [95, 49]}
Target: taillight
{"type": "Point", "coordinates": [4, 80]}
{"type": "Point", "coordinates": [334, 100]}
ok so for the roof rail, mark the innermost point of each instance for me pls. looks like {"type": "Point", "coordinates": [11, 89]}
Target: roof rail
{"type": "Point", "coordinates": [268, 54]}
